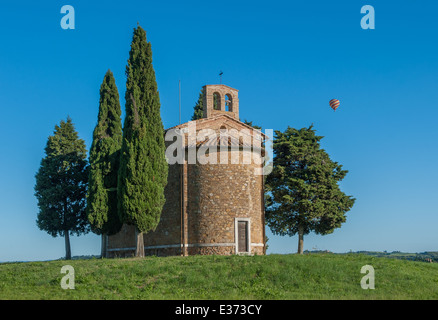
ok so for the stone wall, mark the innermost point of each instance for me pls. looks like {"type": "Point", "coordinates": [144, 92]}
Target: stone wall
{"type": "Point", "coordinates": [200, 212]}
{"type": "Point", "coordinates": [214, 195]}
{"type": "Point", "coordinates": [123, 243]}
{"type": "Point", "coordinates": [220, 193]}
{"type": "Point", "coordinates": [168, 231]}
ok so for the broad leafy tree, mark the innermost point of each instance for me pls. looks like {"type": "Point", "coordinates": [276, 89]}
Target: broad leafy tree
{"type": "Point", "coordinates": [143, 167]}
{"type": "Point", "coordinates": [104, 163]}
{"type": "Point", "coordinates": [303, 194]}
{"type": "Point", "coordinates": [61, 185]}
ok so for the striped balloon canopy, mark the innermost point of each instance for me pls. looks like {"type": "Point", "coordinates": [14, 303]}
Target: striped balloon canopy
{"type": "Point", "coordinates": [334, 104]}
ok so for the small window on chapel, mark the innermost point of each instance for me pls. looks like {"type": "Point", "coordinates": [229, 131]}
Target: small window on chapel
{"type": "Point", "coordinates": [228, 103]}
{"type": "Point", "coordinates": [216, 101]}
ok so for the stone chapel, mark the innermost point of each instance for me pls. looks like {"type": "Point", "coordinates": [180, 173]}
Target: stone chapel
{"type": "Point", "coordinates": [210, 208]}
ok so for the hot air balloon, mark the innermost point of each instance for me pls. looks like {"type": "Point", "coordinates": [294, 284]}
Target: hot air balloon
{"type": "Point", "coordinates": [334, 104]}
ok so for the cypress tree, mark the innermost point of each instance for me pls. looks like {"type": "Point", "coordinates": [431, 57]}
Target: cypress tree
{"type": "Point", "coordinates": [198, 109]}
{"type": "Point", "coordinates": [61, 185]}
{"type": "Point", "coordinates": [303, 194]}
{"type": "Point", "coordinates": [249, 123]}
{"type": "Point", "coordinates": [104, 163]}
{"type": "Point", "coordinates": [143, 166]}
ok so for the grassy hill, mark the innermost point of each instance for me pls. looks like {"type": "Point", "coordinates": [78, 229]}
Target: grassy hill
{"type": "Point", "coordinates": [312, 276]}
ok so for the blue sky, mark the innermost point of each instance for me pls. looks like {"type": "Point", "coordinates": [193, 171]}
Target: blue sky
{"type": "Point", "coordinates": [286, 58]}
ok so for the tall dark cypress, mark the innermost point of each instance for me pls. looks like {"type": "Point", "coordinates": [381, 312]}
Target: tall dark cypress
{"type": "Point", "coordinates": [198, 109]}
{"type": "Point", "coordinates": [143, 166]}
{"type": "Point", "coordinates": [104, 163]}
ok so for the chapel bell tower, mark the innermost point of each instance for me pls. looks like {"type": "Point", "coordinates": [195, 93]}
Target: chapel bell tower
{"type": "Point", "coordinates": [220, 99]}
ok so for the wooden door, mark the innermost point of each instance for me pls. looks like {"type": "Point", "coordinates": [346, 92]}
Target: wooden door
{"type": "Point", "coordinates": [242, 236]}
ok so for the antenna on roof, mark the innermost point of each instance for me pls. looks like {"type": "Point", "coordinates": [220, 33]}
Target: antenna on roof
{"type": "Point", "coordinates": [220, 75]}
{"type": "Point", "coordinates": [179, 101]}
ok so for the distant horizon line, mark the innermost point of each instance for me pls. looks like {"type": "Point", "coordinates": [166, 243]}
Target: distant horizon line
{"type": "Point", "coordinates": [89, 257]}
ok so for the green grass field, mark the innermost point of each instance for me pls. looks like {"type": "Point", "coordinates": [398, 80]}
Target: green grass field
{"type": "Point", "coordinates": [312, 276]}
